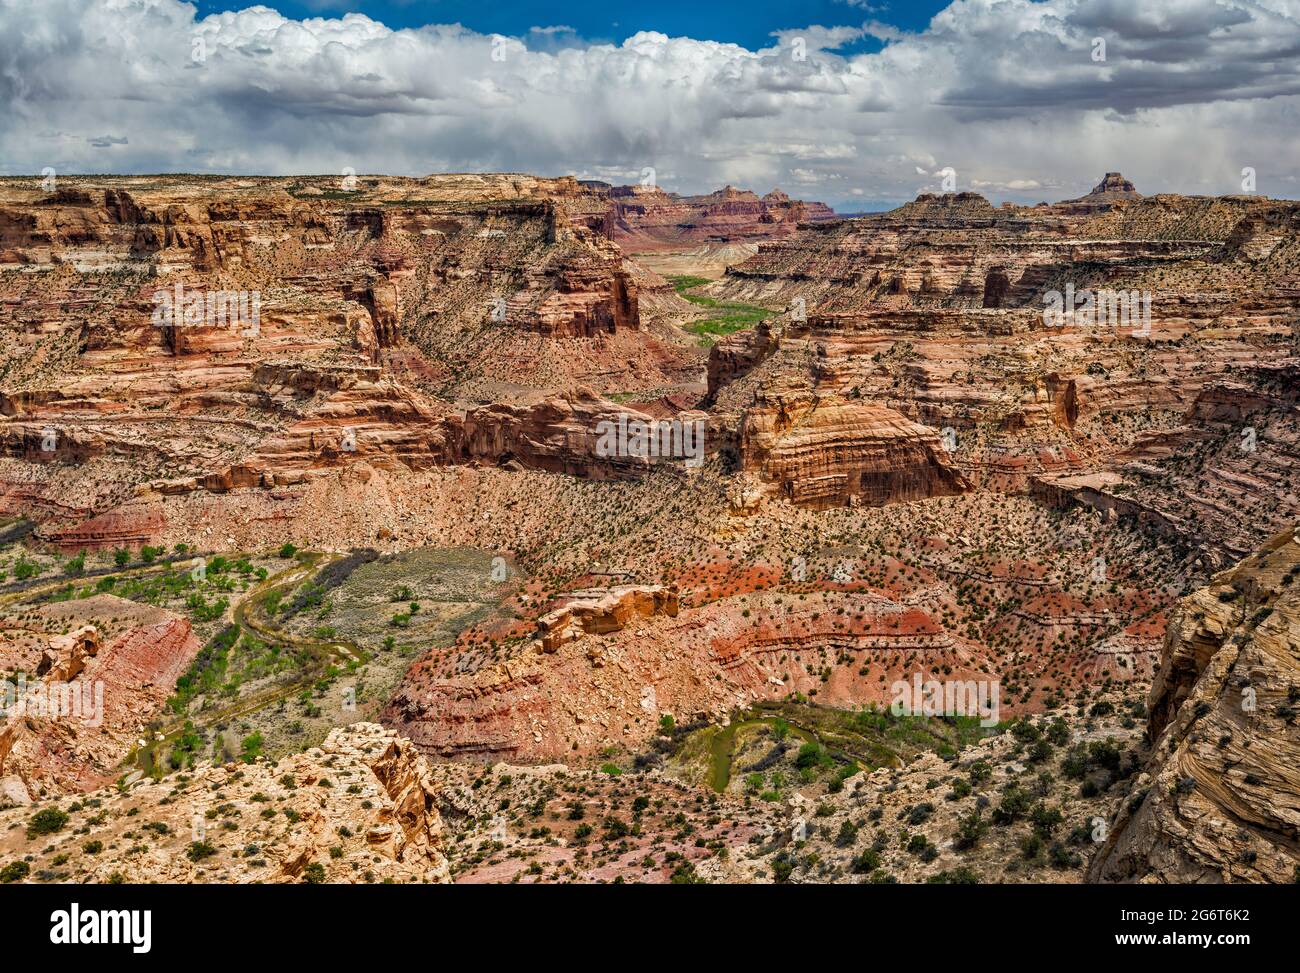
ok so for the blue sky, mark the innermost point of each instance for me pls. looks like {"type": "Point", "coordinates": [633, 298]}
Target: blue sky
{"type": "Point", "coordinates": [749, 24]}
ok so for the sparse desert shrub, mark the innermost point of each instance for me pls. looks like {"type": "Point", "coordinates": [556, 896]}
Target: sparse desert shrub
{"type": "Point", "coordinates": [199, 850]}
{"type": "Point", "coordinates": [848, 834]}
{"type": "Point", "coordinates": [961, 875]}
{"type": "Point", "coordinates": [970, 828]}
{"type": "Point", "coordinates": [46, 821]}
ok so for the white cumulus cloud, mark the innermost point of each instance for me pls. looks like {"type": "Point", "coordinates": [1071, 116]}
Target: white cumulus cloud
{"type": "Point", "coordinates": [1009, 93]}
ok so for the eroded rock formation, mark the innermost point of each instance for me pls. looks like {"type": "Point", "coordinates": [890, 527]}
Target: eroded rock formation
{"type": "Point", "coordinates": [1161, 410]}
{"type": "Point", "coordinates": [602, 612]}
{"type": "Point", "coordinates": [1219, 799]}
{"type": "Point", "coordinates": [824, 451]}
{"type": "Point", "coordinates": [396, 325]}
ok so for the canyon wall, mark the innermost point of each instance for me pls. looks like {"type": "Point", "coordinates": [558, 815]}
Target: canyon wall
{"type": "Point", "coordinates": [1219, 798]}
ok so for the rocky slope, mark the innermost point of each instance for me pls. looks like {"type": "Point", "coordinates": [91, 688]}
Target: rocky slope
{"type": "Point", "coordinates": [72, 718]}
{"type": "Point", "coordinates": [363, 807]}
{"type": "Point", "coordinates": [1030, 805]}
{"type": "Point", "coordinates": [1027, 805]}
{"type": "Point", "coordinates": [373, 319]}
{"type": "Point", "coordinates": [1219, 799]}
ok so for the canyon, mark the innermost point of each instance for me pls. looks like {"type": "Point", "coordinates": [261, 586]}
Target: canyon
{"type": "Point", "coordinates": [369, 527]}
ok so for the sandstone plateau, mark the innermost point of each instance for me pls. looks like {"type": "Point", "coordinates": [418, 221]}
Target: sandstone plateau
{"type": "Point", "coordinates": [645, 218]}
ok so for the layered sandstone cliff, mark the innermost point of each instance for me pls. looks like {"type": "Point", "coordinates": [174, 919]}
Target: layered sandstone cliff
{"type": "Point", "coordinates": [365, 324]}
{"type": "Point", "coordinates": [824, 451]}
{"type": "Point", "coordinates": [1219, 799]}
{"type": "Point", "coordinates": [1170, 411]}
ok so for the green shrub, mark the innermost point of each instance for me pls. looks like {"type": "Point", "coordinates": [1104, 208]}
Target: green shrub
{"type": "Point", "coordinates": [810, 754]}
{"type": "Point", "coordinates": [782, 867]}
{"type": "Point", "coordinates": [970, 828]}
{"type": "Point", "coordinates": [848, 834]}
{"type": "Point", "coordinates": [252, 748]}
{"type": "Point", "coordinates": [1014, 804]}
{"type": "Point", "coordinates": [961, 875]}
{"type": "Point", "coordinates": [199, 850]}
{"type": "Point", "coordinates": [46, 821]}
{"type": "Point", "coordinates": [867, 861]}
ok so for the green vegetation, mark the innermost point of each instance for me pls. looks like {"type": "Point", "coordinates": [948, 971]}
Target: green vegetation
{"type": "Point", "coordinates": [202, 610]}
{"type": "Point", "coordinates": [199, 850]}
{"type": "Point", "coordinates": [186, 748]}
{"type": "Point", "coordinates": [251, 748]}
{"type": "Point", "coordinates": [835, 742]}
{"type": "Point", "coordinates": [46, 821]}
{"type": "Point", "coordinates": [206, 671]}
{"type": "Point", "coordinates": [723, 317]}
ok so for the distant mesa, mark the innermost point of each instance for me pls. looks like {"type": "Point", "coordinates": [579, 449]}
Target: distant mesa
{"type": "Point", "coordinates": [645, 218]}
{"type": "Point", "coordinates": [1115, 184]}
{"type": "Point", "coordinates": [944, 207]}
{"type": "Point", "coordinates": [1113, 188]}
